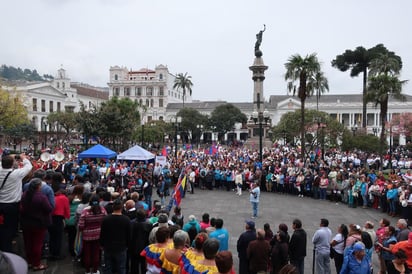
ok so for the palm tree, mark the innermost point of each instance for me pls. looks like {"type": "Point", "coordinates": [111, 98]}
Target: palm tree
{"type": "Point", "coordinates": [302, 71]}
{"type": "Point", "coordinates": [359, 61]}
{"type": "Point", "coordinates": [318, 83]}
{"type": "Point", "coordinates": [184, 82]}
{"type": "Point", "coordinates": [384, 81]}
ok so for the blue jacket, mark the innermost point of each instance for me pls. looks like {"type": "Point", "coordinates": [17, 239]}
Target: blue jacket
{"type": "Point", "coordinates": [352, 266]}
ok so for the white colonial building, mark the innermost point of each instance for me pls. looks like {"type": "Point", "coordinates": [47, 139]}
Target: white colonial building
{"type": "Point", "coordinates": [152, 89]}
{"type": "Point", "coordinates": [60, 94]}
{"type": "Point", "coordinates": [345, 108]}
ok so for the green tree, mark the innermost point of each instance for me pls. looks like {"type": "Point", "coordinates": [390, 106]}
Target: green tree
{"type": "Point", "coordinates": [300, 73]}
{"type": "Point", "coordinates": [87, 122]}
{"type": "Point", "coordinates": [118, 119]}
{"type": "Point", "coordinates": [66, 120]}
{"type": "Point", "coordinates": [328, 134]}
{"type": "Point", "coordinates": [358, 61]}
{"type": "Point", "coordinates": [12, 110]}
{"type": "Point", "coordinates": [365, 142]}
{"type": "Point", "coordinates": [318, 83]}
{"type": "Point", "coordinates": [224, 118]}
{"type": "Point", "coordinates": [18, 133]}
{"type": "Point", "coordinates": [384, 82]}
{"type": "Point", "coordinates": [190, 119]}
{"type": "Point", "coordinates": [184, 82]}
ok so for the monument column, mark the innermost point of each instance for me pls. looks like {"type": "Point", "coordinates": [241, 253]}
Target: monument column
{"type": "Point", "coordinates": [260, 116]}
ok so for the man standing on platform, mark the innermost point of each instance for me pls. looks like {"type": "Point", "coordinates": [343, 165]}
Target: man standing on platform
{"type": "Point", "coordinates": [254, 199]}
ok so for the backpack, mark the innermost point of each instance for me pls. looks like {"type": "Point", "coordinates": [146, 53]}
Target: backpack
{"type": "Point", "coordinates": [366, 240]}
{"type": "Point", "coordinates": [192, 232]}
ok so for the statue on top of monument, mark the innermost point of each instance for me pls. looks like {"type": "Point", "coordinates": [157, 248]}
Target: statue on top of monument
{"type": "Point", "coordinates": [259, 37]}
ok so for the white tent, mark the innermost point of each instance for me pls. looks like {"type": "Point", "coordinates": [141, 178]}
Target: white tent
{"type": "Point", "coordinates": [136, 153]}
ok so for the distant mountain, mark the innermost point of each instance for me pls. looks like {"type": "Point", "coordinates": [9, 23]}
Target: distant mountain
{"type": "Point", "coordinates": [12, 74]}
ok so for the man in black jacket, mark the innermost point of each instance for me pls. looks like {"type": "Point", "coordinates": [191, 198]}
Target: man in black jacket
{"type": "Point", "coordinates": [140, 239]}
{"type": "Point", "coordinates": [297, 246]}
{"type": "Point", "coordinates": [242, 244]}
{"type": "Point", "coordinates": [114, 238]}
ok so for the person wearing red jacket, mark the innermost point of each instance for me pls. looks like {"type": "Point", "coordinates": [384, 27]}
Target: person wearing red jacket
{"type": "Point", "coordinates": [56, 230]}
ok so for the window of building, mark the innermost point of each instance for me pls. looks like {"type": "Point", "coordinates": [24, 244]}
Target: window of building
{"type": "Point", "coordinates": [43, 105]}
{"type": "Point", "coordinates": [149, 91]}
{"type": "Point", "coordinates": [138, 91]}
{"type": "Point", "coordinates": [63, 85]}
{"type": "Point", "coordinates": [116, 77]}
{"type": "Point", "coordinates": [149, 118]}
{"type": "Point", "coordinates": [160, 76]}
{"type": "Point", "coordinates": [161, 91]}
{"type": "Point", "coordinates": [160, 118]}
{"type": "Point", "coordinates": [126, 91]}
{"type": "Point", "coordinates": [58, 85]}
{"type": "Point", "coordinates": [160, 103]}
{"type": "Point", "coordinates": [151, 103]}
{"type": "Point", "coordinates": [116, 91]}
{"type": "Point", "coordinates": [50, 106]}
{"type": "Point", "coordinates": [59, 106]}
{"type": "Point", "coordinates": [147, 102]}
{"type": "Point", "coordinates": [34, 104]}
{"type": "Point", "coordinates": [168, 92]}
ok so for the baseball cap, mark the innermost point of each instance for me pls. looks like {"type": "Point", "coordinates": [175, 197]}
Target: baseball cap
{"type": "Point", "coordinates": [359, 246]}
{"type": "Point", "coordinates": [250, 224]}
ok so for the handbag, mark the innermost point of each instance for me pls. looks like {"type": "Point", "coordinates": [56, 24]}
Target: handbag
{"type": "Point", "coordinates": [332, 252]}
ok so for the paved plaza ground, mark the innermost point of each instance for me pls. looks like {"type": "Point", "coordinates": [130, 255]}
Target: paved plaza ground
{"type": "Point", "coordinates": [273, 209]}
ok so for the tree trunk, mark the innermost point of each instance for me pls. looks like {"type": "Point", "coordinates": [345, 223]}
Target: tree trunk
{"type": "Point", "coordinates": [302, 127]}
{"type": "Point", "coordinates": [384, 112]}
{"type": "Point", "coordinates": [365, 78]}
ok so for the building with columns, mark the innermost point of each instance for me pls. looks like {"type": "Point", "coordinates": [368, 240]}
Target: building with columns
{"type": "Point", "coordinates": [346, 108]}
{"type": "Point", "coordinates": [152, 89]}
{"type": "Point", "coordinates": [44, 97]}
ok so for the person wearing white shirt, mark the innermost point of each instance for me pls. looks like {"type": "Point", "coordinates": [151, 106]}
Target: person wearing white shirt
{"type": "Point", "coordinates": [10, 195]}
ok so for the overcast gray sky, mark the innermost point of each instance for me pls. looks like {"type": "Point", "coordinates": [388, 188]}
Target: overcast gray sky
{"type": "Point", "coordinates": [211, 40]}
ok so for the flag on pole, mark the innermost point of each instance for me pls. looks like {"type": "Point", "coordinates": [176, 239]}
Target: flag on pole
{"type": "Point", "coordinates": [179, 188]}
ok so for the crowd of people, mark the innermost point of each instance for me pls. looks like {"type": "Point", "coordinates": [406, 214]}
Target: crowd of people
{"type": "Point", "coordinates": [106, 207]}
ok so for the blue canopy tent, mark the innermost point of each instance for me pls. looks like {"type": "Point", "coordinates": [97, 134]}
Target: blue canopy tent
{"type": "Point", "coordinates": [97, 151]}
{"type": "Point", "coordinates": [136, 153]}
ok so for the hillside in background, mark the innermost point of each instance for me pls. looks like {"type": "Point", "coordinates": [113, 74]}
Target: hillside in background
{"type": "Point", "coordinates": [11, 73]}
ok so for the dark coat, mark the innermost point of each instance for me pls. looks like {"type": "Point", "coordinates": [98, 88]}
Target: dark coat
{"type": "Point", "coordinates": [297, 245]}
{"type": "Point", "coordinates": [243, 242]}
{"type": "Point", "coordinates": [280, 256]}
{"type": "Point", "coordinates": [258, 253]}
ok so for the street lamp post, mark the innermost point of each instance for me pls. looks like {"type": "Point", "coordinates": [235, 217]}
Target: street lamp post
{"type": "Point", "coordinates": [200, 130]}
{"type": "Point", "coordinates": [177, 122]}
{"type": "Point", "coordinates": [321, 141]}
{"type": "Point", "coordinates": [260, 118]}
{"type": "Point", "coordinates": [390, 146]}
{"type": "Point", "coordinates": [142, 144]}
{"type": "Point", "coordinates": [45, 134]}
